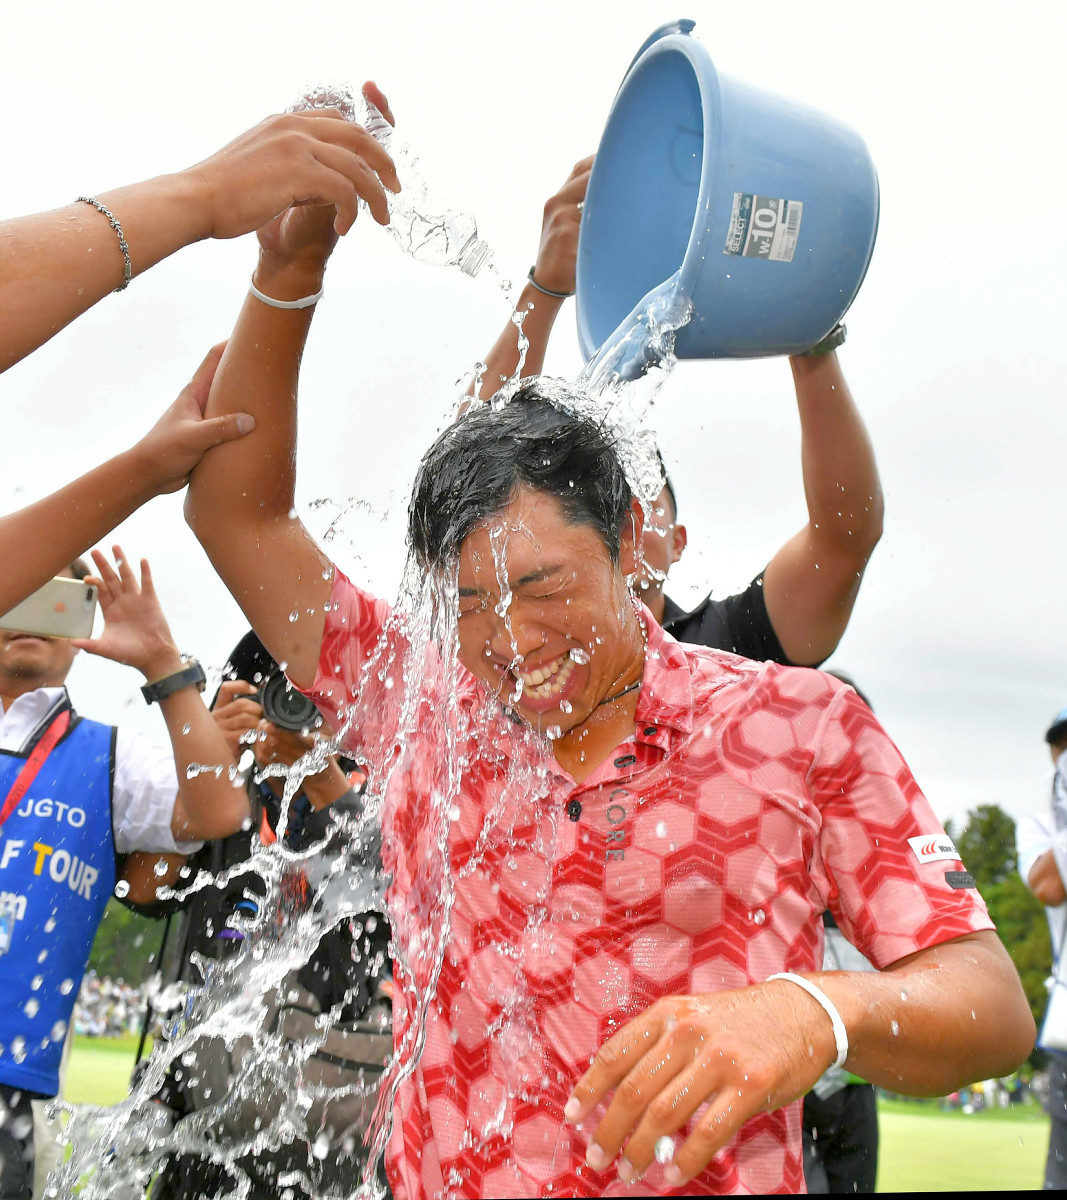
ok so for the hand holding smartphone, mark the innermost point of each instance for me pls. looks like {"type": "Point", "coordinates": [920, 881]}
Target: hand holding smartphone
{"type": "Point", "coordinates": [64, 608]}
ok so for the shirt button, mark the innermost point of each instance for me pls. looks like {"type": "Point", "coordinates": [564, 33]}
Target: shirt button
{"type": "Point", "coordinates": [574, 809]}
{"type": "Point", "coordinates": [625, 760]}
{"type": "Point", "coordinates": [651, 731]}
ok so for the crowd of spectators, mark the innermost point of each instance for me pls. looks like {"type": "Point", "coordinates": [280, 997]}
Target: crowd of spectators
{"type": "Point", "coordinates": [107, 1007]}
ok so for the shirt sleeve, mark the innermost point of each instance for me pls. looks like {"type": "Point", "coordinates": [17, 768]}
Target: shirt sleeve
{"type": "Point", "coordinates": [354, 627]}
{"type": "Point", "coordinates": [145, 789]}
{"type": "Point", "coordinates": [1032, 839]}
{"type": "Point", "coordinates": [893, 880]}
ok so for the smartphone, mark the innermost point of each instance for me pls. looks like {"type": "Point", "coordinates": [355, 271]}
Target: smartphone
{"type": "Point", "coordinates": [64, 608]}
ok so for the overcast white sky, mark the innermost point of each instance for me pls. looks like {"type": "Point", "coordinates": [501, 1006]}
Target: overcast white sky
{"type": "Point", "coordinates": [954, 351]}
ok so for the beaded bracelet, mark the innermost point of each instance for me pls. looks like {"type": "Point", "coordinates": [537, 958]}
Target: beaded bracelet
{"type": "Point", "coordinates": [113, 221]}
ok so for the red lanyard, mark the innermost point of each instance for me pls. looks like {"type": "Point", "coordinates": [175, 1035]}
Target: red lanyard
{"type": "Point", "coordinates": [35, 762]}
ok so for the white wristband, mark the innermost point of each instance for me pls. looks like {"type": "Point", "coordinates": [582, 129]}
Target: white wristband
{"type": "Point", "coordinates": [303, 302]}
{"type": "Point", "coordinates": [818, 995]}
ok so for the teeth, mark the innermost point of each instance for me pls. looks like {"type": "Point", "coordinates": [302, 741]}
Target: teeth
{"type": "Point", "coordinates": [554, 684]}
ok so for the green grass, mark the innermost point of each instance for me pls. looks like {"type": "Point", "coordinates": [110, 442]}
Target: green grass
{"type": "Point", "coordinates": [99, 1069]}
{"type": "Point", "coordinates": [923, 1149]}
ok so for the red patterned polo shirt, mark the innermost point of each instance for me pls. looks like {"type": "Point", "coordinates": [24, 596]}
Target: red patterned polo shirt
{"type": "Point", "coordinates": [698, 857]}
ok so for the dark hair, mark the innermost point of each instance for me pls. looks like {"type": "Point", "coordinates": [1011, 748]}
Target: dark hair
{"type": "Point", "coordinates": [1056, 734]}
{"type": "Point", "coordinates": [79, 568]}
{"type": "Point", "coordinates": [472, 470]}
{"type": "Point", "coordinates": [667, 483]}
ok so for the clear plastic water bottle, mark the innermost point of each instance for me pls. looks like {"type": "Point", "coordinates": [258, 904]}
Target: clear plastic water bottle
{"type": "Point", "coordinates": [419, 225]}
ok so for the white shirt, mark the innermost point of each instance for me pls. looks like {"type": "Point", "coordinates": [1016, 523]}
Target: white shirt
{"type": "Point", "coordinates": [1033, 836]}
{"type": "Point", "coordinates": [145, 785]}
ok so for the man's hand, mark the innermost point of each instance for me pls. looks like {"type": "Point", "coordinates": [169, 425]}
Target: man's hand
{"type": "Point", "coordinates": [167, 453]}
{"type": "Point", "coordinates": [135, 630]}
{"type": "Point", "coordinates": [274, 745]}
{"type": "Point", "coordinates": [236, 715]}
{"type": "Point", "coordinates": [296, 244]}
{"type": "Point", "coordinates": [740, 1052]}
{"type": "Point", "coordinates": [307, 158]}
{"type": "Point", "coordinates": [558, 251]}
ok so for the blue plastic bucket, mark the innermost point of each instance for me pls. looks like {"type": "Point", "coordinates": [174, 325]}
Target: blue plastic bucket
{"type": "Point", "coordinates": [767, 209]}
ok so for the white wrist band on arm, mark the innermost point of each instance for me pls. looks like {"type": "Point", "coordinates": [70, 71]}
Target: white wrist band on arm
{"type": "Point", "coordinates": [303, 302]}
{"type": "Point", "coordinates": [821, 998]}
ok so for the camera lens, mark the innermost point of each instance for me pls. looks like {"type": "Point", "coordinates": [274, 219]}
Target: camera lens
{"type": "Point", "coordinates": [287, 708]}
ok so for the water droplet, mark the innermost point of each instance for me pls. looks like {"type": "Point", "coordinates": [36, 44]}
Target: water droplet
{"type": "Point", "coordinates": [294, 615]}
{"type": "Point", "coordinates": [187, 728]}
{"type": "Point", "coordinates": [66, 987]}
{"type": "Point", "coordinates": [664, 1149]}
{"type": "Point", "coordinates": [661, 829]}
{"type": "Point", "coordinates": [122, 888]}
{"type": "Point", "coordinates": [50, 924]}
{"type": "Point", "coordinates": [894, 1028]}
{"type": "Point", "coordinates": [35, 983]}
{"type": "Point", "coordinates": [759, 916]}
{"type": "Point", "coordinates": [59, 1031]}
{"type": "Point", "coordinates": [160, 868]}
{"type": "Point", "coordinates": [565, 706]}
{"type": "Point", "coordinates": [18, 1049]}
{"type": "Point", "coordinates": [30, 1007]}
{"type": "Point", "coordinates": [579, 655]}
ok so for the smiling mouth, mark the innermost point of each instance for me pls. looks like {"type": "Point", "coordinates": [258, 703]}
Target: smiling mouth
{"type": "Point", "coordinates": [545, 682]}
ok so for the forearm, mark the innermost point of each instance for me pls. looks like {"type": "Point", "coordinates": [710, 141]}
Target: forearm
{"type": "Point", "coordinates": [503, 359]}
{"type": "Point", "coordinates": [56, 265]}
{"type": "Point", "coordinates": [38, 541]}
{"type": "Point", "coordinates": [209, 804]}
{"type": "Point", "coordinates": [936, 1021]}
{"type": "Point", "coordinates": [241, 495]}
{"type": "Point", "coordinates": [1045, 882]}
{"type": "Point", "coordinates": [841, 484]}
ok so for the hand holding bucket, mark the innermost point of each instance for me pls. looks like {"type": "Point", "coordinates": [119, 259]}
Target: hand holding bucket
{"type": "Point", "coordinates": [765, 210]}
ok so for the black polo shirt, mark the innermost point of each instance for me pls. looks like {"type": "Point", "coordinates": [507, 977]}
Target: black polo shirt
{"type": "Point", "coordinates": [738, 624]}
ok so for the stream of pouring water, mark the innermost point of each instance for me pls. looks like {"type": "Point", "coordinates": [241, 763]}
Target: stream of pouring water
{"type": "Point", "coordinates": [406, 698]}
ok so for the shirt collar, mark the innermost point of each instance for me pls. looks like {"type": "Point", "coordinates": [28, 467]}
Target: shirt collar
{"type": "Point", "coordinates": [666, 696]}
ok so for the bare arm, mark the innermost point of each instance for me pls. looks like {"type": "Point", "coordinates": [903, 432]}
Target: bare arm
{"type": "Point", "coordinates": [136, 633]}
{"type": "Point", "coordinates": [554, 269]}
{"type": "Point", "coordinates": [932, 1022]}
{"type": "Point", "coordinates": [239, 504]}
{"type": "Point", "coordinates": [812, 582]}
{"type": "Point", "coordinates": [55, 265]}
{"type": "Point", "coordinates": [1045, 882]}
{"type": "Point", "coordinates": [38, 541]}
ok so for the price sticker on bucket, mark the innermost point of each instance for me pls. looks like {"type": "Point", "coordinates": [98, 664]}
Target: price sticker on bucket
{"type": "Point", "coordinates": [764, 227]}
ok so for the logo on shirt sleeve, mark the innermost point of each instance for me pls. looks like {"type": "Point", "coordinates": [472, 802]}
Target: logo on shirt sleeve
{"type": "Point", "coordinates": [933, 847]}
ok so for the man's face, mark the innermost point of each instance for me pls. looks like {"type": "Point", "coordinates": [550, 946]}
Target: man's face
{"type": "Point", "coordinates": [663, 543]}
{"type": "Point", "coordinates": [551, 651]}
{"type": "Point", "coordinates": [28, 661]}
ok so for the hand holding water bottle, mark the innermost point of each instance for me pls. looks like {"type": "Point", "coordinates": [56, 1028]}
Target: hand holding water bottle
{"type": "Point", "coordinates": [308, 231]}
{"type": "Point", "coordinates": [297, 159]}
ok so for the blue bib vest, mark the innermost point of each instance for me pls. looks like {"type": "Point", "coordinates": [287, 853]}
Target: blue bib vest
{"type": "Point", "coordinates": [57, 873]}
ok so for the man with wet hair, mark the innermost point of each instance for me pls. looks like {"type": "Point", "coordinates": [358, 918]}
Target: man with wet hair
{"type": "Point", "coordinates": [636, 853]}
{"type": "Point", "coordinates": [796, 610]}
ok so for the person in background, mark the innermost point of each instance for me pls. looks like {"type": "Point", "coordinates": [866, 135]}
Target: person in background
{"type": "Point", "coordinates": [347, 975]}
{"type": "Point", "coordinates": [1041, 850]}
{"type": "Point", "coordinates": [796, 610]}
{"type": "Point", "coordinates": [56, 265]}
{"type": "Point", "coordinates": [77, 799]}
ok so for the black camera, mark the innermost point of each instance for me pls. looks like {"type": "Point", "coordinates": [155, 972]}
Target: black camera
{"type": "Point", "coordinates": [285, 707]}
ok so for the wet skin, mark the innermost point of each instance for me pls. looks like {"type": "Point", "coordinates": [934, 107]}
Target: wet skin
{"type": "Point", "coordinates": [569, 637]}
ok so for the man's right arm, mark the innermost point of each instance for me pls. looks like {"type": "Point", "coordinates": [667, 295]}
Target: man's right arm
{"type": "Point", "coordinates": [240, 505]}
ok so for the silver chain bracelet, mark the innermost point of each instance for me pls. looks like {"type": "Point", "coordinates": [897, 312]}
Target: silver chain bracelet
{"type": "Point", "coordinates": [113, 221]}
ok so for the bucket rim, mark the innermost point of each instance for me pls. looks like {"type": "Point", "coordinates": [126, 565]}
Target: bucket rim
{"type": "Point", "coordinates": [707, 79]}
